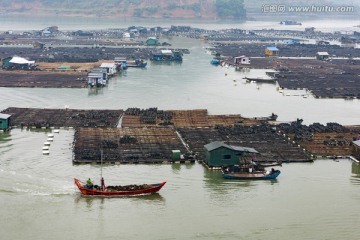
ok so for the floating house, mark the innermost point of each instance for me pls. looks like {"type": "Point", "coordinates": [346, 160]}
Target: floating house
{"type": "Point", "coordinates": [321, 42]}
{"type": "Point", "coordinates": [4, 121]}
{"type": "Point", "coordinates": [218, 154]}
{"type": "Point", "coordinates": [322, 56]}
{"type": "Point", "coordinates": [126, 35]}
{"type": "Point", "coordinates": [289, 22]}
{"type": "Point", "coordinates": [120, 63]}
{"type": "Point", "coordinates": [180, 28]}
{"type": "Point", "coordinates": [152, 41]}
{"type": "Point", "coordinates": [176, 154]}
{"type": "Point", "coordinates": [242, 60]}
{"type": "Point", "coordinates": [110, 68]}
{"type": "Point", "coordinates": [310, 30]}
{"type": "Point", "coordinates": [272, 52]}
{"type": "Point", "coordinates": [81, 33]}
{"type": "Point", "coordinates": [356, 148]}
{"type": "Point", "coordinates": [38, 45]}
{"type": "Point", "coordinates": [292, 41]}
{"type": "Point", "coordinates": [204, 37]}
{"type": "Point", "coordinates": [98, 77]}
{"type": "Point", "coordinates": [166, 56]}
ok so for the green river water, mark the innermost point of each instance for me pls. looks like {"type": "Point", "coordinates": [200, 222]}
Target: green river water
{"type": "Point", "coordinates": [319, 200]}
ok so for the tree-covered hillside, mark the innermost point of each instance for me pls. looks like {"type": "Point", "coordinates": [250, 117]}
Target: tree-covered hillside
{"type": "Point", "coordinates": [207, 9]}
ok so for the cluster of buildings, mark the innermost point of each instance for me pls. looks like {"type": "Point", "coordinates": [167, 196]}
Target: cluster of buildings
{"type": "Point", "coordinates": [275, 52]}
{"type": "Point", "coordinates": [99, 77]}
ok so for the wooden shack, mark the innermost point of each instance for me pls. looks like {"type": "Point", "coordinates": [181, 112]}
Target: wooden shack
{"type": "Point", "coordinates": [242, 60]}
{"type": "Point", "coordinates": [272, 52]}
{"type": "Point", "coordinates": [322, 56]}
{"type": "Point", "coordinates": [110, 68]}
{"type": "Point", "coordinates": [356, 149]}
{"type": "Point", "coordinates": [98, 77]}
{"type": "Point", "coordinates": [218, 154]}
{"type": "Point", "coordinates": [152, 41]}
{"type": "Point", "coordinates": [4, 121]}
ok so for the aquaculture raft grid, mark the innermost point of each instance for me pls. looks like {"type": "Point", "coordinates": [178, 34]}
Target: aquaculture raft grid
{"type": "Point", "coordinates": [43, 79]}
{"type": "Point", "coordinates": [45, 118]}
{"type": "Point", "coordinates": [135, 117]}
{"type": "Point", "coordinates": [322, 140]}
{"type": "Point", "coordinates": [271, 145]}
{"type": "Point", "coordinates": [126, 145]}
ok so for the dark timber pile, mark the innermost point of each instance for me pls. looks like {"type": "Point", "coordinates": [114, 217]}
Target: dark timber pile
{"type": "Point", "coordinates": [46, 118]}
{"type": "Point", "coordinates": [126, 145]}
{"type": "Point", "coordinates": [323, 140]}
{"type": "Point", "coordinates": [152, 117]}
{"type": "Point", "coordinates": [136, 117]}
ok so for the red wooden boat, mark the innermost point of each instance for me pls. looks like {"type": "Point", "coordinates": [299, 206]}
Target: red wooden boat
{"type": "Point", "coordinates": [114, 191]}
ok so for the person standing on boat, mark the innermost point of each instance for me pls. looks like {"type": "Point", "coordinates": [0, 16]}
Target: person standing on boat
{"type": "Point", "coordinates": [89, 183]}
{"type": "Point", "coordinates": [102, 184]}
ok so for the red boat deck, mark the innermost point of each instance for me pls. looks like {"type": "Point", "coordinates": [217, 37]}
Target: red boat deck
{"type": "Point", "coordinates": [106, 193]}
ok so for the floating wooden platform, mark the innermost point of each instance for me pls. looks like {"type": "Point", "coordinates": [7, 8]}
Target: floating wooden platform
{"type": "Point", "coordinates": [323, 140]}
{"type": "Point", "coordinates": [42, 79]}
{"type": "Point", "coordinates": [150, 135]}
{"type": "Point", "coordinates": [271, 145]}
{"type": "Point", "coordinates": [46, 118]}
{"type": "Point", "coordinates": [127, 145]}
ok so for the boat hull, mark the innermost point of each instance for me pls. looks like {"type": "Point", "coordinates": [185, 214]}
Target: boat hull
{"type": "Point", "coordinates": [252, 176]}
{"type": "Point", "coordinates": [142, 65]}
{"type": "Point", "coordinates": [94, 192]}
{"type": "Point", "coordinates": [261, 80]}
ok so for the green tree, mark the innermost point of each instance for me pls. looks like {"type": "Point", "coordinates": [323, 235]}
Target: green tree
{"type": "Point", "coordinates": [230, 9]}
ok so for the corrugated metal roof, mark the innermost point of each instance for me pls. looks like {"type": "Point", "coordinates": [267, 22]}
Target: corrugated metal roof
{"type": "Point", "coordinates": [166, 51]}
{"type": "Point", "coordinates": [322, 53]}
{"type": "Point", "coordinates": [98, 70]}
{"type": "Point", "coordinates": [357, 143]}
{"type": "Point", "coordinates": [20, 60]}
{"type": "Point", "coordinates": [95, 75]}
{"type": "Point", "coordinates": [273, 48]}
{"type": "Point", "coordinates": [107, 65]}
{"type": "Point", "coordinates": [120, 59]}
{"type": "Point", "coordinates": [4, 116]}
{"type": "Point", "coordinates": [217, 144]}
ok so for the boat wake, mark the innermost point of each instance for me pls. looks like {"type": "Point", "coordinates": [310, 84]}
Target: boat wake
{"type": "Point", "coordinates": [14, 183]}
